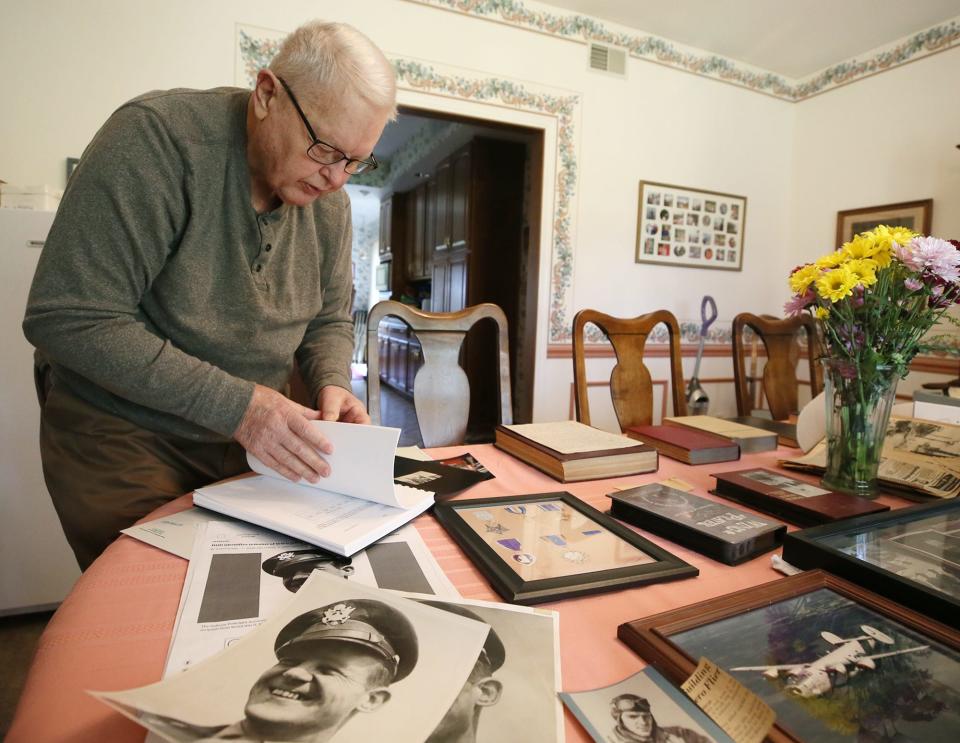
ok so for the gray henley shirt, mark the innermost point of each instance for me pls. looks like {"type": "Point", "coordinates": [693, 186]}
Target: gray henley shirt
{"type": "Point", "coordinates": [161, 295]}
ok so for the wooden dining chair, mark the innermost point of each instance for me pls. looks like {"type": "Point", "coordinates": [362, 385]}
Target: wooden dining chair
{"type": "Point", "coordinates": [631, 386]}
{"type": "Point", "coordinates": [781, 342]}
{"type": "Point", "coordinates": [441, 390]}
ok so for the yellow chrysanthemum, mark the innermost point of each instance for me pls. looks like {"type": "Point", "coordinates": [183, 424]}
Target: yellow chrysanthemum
{"type": "Point", "coordinates": [831, 260]}
{"type": "Point", "coordinates": [821, 313]}
{"type": "Point", "coordinates": [836, 284]}
{"type": "Point", "coordinates": [860, 247]}
{"type": "Point", "coordinates": [801, 279]}
{"type": "Point", "coordinates": [864, 269]}
{"type": "Point", "coordinates": [886, 235]}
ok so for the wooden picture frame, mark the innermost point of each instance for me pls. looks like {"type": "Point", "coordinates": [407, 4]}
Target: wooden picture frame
{"type": "Point", "coordinates": [549, 546]}
{"type": "Point", "coordinates": [762, 623]}
{"type": "Point", "coordinates": [899, 554]}
{"type": "Point", "coordinates": [916, 215]}
{"type": "Point", "coordinates": [683, 226]}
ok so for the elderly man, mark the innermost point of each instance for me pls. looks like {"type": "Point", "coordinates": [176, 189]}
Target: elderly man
{"type": "Point", "coordinates": [635, 723]}
{"type": "Point", "coordinates": [480, 690]}
{"type": "Point", "coordinates": [332, 663]}
{"type": "Point", "coordinates": [202, 243]}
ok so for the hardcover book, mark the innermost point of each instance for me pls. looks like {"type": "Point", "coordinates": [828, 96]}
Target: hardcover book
{"type": "Point", "coordinates": [687, 444]}
{"type": "Point", "coordinates": [750, 438]}
{"type": "Point", "coordinates": [716, 530]}
{"type": "Point", "coordinates": [793, 500]}
{"type": "Point", "coordinates": [355, 506]}
{"type": "Point", "coordinates": [569, 451]}
{"type": "Point", "coordinates": [786, 432]}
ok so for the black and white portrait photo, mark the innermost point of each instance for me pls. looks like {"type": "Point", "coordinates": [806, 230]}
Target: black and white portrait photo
{"type": "Point", "coordinates": [342, 662]}
{"type": "Point", "coordinates": [644, 708]}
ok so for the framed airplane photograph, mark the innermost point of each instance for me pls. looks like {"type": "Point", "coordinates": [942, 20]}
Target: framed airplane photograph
{"type": "Point", "coordinates": [549, 546]}
{"type": "Point", "coordinates": [911, 555]}
{"type": "Point", "coordinates": [834, 661]}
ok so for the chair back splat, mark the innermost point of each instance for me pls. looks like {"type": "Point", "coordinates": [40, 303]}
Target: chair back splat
{"type": "Point", "coordinates": [441, 390]}
{"type": "Point", "coordinates": [780, 340]}
{"type": "Point", "coordinates": [631, 386]}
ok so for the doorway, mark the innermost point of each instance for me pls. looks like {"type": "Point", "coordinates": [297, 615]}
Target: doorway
{"type": "Point", "coordinates": [454, 187]}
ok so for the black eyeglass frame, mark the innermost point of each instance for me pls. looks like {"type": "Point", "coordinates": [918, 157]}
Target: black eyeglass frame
{"type": "Point", "coordinates": [362, 166]}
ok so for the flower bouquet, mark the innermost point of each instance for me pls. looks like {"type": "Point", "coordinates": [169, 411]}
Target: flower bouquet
{"type": "Point", "coordinates": [875, 298]}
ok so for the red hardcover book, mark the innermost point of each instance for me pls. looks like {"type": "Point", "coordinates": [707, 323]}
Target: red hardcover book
{"type": "Point", "coordinates": [793, 500]}
{"type": "Point", "coordinates": [687, 444]}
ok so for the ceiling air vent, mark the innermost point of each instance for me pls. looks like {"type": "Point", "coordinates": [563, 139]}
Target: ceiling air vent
{"type": "Point", "coordinates": [608, 59]}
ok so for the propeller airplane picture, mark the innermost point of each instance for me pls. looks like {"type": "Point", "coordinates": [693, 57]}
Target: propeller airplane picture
{"type": "Point", "coordinates": [848, 658]}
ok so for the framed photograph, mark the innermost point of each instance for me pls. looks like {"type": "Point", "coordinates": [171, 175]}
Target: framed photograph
{"type": "Point", "coordinates": [916, 215]}
{"type": "Point", "coordinates": [550, 546]}
{"type": "Point", "coordinates": [681, 220]}
{"type": "Point", "coordinates": [911, 555]}
{"type": "Point", "coordinates": [835, 661]}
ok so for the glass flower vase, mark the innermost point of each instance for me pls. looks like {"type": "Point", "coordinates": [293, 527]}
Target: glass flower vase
{"type": "Point", "coordinates": [858, 400]}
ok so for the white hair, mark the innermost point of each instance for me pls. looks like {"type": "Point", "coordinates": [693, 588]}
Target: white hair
{"type": "Point", "coordinates": [333, 64]}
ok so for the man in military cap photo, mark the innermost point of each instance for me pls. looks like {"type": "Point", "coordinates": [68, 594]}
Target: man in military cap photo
{"type": "Point", "coordinates": [635, 723]}
{"type": "Point", "coordinates": [295, 566]}
{"type": "Point", "coordinates": [480, 690]}
{"type": "Point", "coordinates": [332, 663]}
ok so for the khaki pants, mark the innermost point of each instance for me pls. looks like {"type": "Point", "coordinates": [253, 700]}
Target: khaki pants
{"type": "Point", "coordinates": [104, 473]}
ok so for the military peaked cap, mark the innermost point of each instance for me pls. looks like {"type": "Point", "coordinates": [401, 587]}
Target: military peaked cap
{"type": "Point", "coordinates": [367, 623]}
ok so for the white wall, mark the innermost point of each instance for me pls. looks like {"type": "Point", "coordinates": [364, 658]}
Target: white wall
{"type": "Point", "coordinates": [75, 62]}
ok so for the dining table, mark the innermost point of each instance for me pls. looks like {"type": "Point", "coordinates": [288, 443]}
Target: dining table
{"type": "Point", "coordinates": [114, 629]}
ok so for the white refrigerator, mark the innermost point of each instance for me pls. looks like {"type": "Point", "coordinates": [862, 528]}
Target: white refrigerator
{"type": "Point", "coordinates": [37, 567]}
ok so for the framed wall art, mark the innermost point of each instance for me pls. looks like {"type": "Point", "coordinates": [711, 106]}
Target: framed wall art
{"type": "Point", "coordinates": [915, 215]}
{"type": "Point", "coordinates": [834, 661]}
{"type": "Point", "coordinates": [911, 555]}
{"type": "Point", "coordinates": [549, 546]}
{"type": "Point", "coordinates": [681, 226]}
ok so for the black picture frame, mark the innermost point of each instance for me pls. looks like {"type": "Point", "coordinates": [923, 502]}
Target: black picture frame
{"type": "Point", "coordinates": [808, 549]}
{"type": "Point", "coordinates": [513, 588]}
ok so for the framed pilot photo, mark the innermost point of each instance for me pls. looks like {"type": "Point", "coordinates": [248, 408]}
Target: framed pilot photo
{"type": "Point", "coordinates": [535, 548]}
{"type": "Point", "coordinates": [911, 555]}
{"type": "Point", "coordinates": [684, 226]}
{"type": "Point", "coordinates": [834, 661]}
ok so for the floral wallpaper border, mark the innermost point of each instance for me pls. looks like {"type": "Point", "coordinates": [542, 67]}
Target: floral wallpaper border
{"type": "Point", "coordinates": [575, 27]}
{"type": "Point", "coordinates": [256, 46]}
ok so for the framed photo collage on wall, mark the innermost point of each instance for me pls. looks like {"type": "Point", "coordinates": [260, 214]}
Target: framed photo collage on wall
{"type": "Point", "coordinates": [681, 226]}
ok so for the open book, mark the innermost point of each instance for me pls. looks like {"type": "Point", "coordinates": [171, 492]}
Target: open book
{"type": "Point", "coordinates": [356, 505]}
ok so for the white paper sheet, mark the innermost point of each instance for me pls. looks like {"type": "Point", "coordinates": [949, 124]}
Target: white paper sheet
{"type": "Point", "coordinates": [194, 640]}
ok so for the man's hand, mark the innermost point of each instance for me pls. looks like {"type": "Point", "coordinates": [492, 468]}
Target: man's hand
{"type": "Point", "coordinates": [277, 431]}
{"type": "Point", "coordinates": [337, 404]}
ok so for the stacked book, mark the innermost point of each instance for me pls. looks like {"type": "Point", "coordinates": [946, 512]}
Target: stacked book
{"type": "Point", "coordinates": [569, 451]}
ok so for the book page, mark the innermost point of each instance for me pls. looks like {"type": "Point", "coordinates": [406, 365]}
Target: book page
{"type": "Point", "coordinates": [361, 464]}
{"type": "Point", "coordinates": [719, 426]}
{"type": "Point", "coordinates": [570, 437]}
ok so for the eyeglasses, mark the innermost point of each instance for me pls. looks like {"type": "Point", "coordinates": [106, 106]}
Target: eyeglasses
{"type": "Point", "coordinates": [327, 154]}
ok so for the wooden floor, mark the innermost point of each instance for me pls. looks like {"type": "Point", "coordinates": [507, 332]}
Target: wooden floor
{"type": "Point", "coordinates": [18, 640]}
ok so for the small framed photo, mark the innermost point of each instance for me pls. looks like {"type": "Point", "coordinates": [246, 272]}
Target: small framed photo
{"type": "Point", "coordinates": [721, 213]}
{"type": "Point", "coordinates": [834, 661]}
{"type": "Point", "coordinates": [915, 215]}
{"type": "Point", "coordinates": [549, 546]}
{"type": "Point", "coordinates": [911, 555]}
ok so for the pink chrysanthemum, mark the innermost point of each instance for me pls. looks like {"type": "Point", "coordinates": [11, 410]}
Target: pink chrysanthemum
{"type": "Point", "coordinates": [913, 284]}
{"type": "Point", "coordinates": [797, 304]}
{"type": "Point", "coordinates": [931, 254]}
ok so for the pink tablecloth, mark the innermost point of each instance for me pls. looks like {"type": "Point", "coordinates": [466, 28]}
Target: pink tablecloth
{"type": "Point", "coordinates": [113, 630]}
